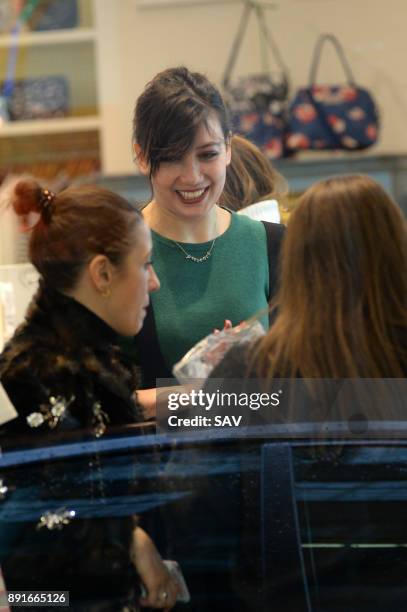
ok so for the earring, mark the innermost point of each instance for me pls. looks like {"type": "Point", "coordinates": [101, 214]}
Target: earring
{"type": "Point", "coordinates": [106, 292]}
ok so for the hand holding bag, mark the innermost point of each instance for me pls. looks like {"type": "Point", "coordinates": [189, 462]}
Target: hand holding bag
{"type": "Point", "coordinates": [329, 117]}
{"type": "Point", "coordinates": [257, 101]}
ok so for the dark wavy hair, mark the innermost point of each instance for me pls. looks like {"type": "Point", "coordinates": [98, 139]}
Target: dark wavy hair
{"type": "Point", "coordinates": [169, 112]}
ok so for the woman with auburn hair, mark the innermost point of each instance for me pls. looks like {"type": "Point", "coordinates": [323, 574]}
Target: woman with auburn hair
{"type": "Point", "coordinates": [63, 370]}
{"type": "Point", "coordinates": [341, 309]}
{"type": "Point", "coordinates": [252, 187]}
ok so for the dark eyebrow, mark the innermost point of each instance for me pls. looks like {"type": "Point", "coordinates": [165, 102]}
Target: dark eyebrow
{"type": "Point", "coordinates": [215, 143]}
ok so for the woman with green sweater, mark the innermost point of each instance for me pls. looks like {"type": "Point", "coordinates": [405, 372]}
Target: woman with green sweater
{"type": "Point", "coordinates": [213, 264]}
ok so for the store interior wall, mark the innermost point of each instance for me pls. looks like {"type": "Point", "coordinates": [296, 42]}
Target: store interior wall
{"type": "Point", "coordinates": [135, 43]}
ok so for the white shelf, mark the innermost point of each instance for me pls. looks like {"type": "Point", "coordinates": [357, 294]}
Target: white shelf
{"type": "Point", "coordinates": [171, 3]}
{"type": "Point", "coordinates": [52, 37]}
{"type": "Point", "coordinates": [50, 126]}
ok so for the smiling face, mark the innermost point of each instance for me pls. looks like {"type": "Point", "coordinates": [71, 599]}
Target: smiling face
{"type": "Point", "coordinates": [132, 281]}
{"type": "Point", "coordinates": [191, 186]}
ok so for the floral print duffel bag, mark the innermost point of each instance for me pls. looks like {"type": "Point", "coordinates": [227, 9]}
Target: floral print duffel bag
{"type": "Point", "coordinates": [322, 117]}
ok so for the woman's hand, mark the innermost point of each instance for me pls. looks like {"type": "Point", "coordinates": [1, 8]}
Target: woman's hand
{"type": "Point", "coordinates": [162, 589]}
{"type": "Point", "coordinates": [147, 398]}
{"type": "Point", "coordinates": [227, 325]}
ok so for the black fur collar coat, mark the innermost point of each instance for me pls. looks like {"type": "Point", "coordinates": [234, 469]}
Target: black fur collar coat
{"type": "Point", "coordinates": [63, 352]}
{"type": "Point", "coordinates": [64, 355]}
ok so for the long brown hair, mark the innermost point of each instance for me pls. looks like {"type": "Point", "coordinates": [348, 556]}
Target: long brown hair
{"type": "Point", "coordinates": [341, 311]}
{"type": "Point", "coordinates": [250, 176]}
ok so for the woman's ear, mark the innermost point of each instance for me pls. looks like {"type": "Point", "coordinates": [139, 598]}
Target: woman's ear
{"type": "Point", "coordinates": [138, 157]}
{"type": "Point", "coordinates": [101, 273]}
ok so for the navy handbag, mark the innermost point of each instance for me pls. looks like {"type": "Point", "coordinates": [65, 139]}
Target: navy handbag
{"type": "Point", "coordinates": [257, 101]}
{"type": "Point", "coordinates": [328, 117]}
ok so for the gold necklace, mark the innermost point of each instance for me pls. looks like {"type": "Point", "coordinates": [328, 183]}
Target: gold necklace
{"type": "Point", "coordinates": [197, 259]}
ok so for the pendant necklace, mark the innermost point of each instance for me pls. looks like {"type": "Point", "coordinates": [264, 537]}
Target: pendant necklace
{"type": "Point", "coordinates": [197, 259]}
{"type": "Point", "coordinates": [204, 257]}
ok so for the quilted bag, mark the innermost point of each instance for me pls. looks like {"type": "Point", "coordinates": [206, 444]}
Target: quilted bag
{"type": "Point", "coordinates": [257, 101]}
{"type": "Point", "coordinates": [328, 117]}
{"type": "Point", "coordinates": [40, 98]}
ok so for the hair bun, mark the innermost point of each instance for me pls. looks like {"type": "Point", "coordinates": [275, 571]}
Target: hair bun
{"type": "Point", "coordinates": [29, 197]}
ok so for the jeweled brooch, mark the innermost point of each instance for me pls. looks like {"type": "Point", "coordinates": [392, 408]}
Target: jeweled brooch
{"type": "Point", "coordinates": [56, 519]}
{"type": "Point", "coordinates": [52, 413]}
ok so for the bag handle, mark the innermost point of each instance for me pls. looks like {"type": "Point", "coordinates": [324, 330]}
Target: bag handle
{"type": "Point", "coordinates": [268, 40]}
{"type": "Point", "coordinates": [237, 42]}
{"type": "Point", "coordinates": [317, 57]}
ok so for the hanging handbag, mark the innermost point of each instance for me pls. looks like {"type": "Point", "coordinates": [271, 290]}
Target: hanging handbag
{"type": "Point", "coordinates": [328, 117]}
{"type": "Point", "coordinates": [257, 101]}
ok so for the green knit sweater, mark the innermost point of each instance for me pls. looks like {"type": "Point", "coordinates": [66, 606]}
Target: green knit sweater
{"type": "Point", "coordinates": [194, 298]}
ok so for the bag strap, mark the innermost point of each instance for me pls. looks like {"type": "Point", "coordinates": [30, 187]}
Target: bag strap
{"type": "Point", "coordinates": [274, 235]}
{"type": "Point", "coordinates": [268, 41]}
{"type": "Point", "coordinates": [317, 57]}
{"type": "Point", "coordinates": [149, 355]}
{"type": "Point", "coordinates": [237, 42]}
{"type": "Point", "coordinates": [265, 36]}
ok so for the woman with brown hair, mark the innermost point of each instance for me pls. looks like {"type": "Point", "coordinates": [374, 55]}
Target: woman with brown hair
{"type": "Point", "coordinates": [341, 314]}
{"type": "Point", "coordinates": [213, 264]}
{"type": "Point", "coordinates": [341, 309]}
{"type": "Point", "coordinates": [252, 187]}
{"type": "Point", "coordinates": [63, 370]}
